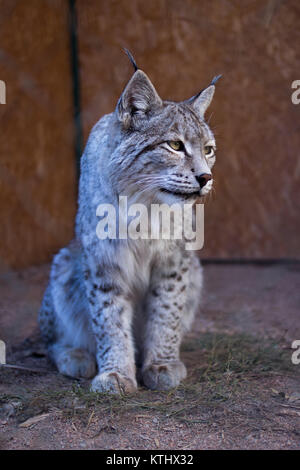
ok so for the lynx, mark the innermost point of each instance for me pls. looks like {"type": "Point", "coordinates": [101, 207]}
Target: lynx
{"type": "Point", "coordinates": [117, 309]}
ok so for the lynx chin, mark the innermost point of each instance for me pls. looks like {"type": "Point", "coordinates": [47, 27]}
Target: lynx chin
{"type": "Point", "coordinates": [115, 310]}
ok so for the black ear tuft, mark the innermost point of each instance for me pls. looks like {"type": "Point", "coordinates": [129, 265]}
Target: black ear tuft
{"type": "Point", "coordinates": [202, 100]}
{"type": "Point", "coordinates": [131, 58]}
{"type": "Point", "coordinates": [215, 79]}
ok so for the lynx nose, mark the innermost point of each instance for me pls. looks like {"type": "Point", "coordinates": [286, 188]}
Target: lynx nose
{"type": "Point", "coordinates": [203, 179]}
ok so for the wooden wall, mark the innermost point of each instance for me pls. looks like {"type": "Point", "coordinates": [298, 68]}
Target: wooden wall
{"type": "Point", "coordinates": [37, 163]}
{"type": "Point", "coordinates": [181, 45]}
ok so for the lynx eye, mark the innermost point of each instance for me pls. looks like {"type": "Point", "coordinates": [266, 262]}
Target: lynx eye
{"type": "Point", "coordinates": [209, 150]}
{"type": "Point", "coordinates": [176, 145]}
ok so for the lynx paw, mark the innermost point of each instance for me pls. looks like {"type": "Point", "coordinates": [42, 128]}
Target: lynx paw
{"type": "Point", "coordinates": [113, 382]}
{"type": "Point", "coordinates": [163, 376]}
{"type": "Point", "coordinates": [76, 363]}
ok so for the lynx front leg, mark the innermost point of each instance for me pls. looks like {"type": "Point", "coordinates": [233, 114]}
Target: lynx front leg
{"type": "Point", "coordinates": [167, 318]}
{"type": "Point", "coordinates": [111, 320]}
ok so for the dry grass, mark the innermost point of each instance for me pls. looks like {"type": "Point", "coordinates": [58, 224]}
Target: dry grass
{"type": "Point", "coordinates": [221, 368]}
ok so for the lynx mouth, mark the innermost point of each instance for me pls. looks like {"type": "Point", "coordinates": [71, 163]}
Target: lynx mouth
{"type": "Point", "coordinates": [181, 194]}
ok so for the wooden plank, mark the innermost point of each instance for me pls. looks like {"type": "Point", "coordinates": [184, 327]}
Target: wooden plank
{"type": "Point", "coordinates": [37, 163]}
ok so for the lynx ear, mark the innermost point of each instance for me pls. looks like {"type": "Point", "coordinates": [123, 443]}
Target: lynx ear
{"type": "Point", "coordinates": [138, 98]}
{"type": "Point", "coordinates": [202, 100]}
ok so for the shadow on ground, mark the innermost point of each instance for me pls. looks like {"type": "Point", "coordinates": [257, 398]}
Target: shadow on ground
{"type": "Point", "coordinates": [242, 390]}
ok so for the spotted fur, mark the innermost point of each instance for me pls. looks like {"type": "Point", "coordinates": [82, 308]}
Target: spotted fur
{"type": "Point", "coordinates": [114, 305]}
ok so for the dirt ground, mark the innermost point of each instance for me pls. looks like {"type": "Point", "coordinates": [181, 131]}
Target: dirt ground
{"type": "Point", "coordinates": [242, 390]}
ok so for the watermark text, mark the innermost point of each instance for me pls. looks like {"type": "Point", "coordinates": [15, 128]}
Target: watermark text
{"type": "Point", "coordinates": [156, 222]}
{"type": "Point", "coordinates": [296, 354]}
{"type": "Point", "coordinates": [295, 97]}
{"type": "Point", "coordinates": [2, 92]}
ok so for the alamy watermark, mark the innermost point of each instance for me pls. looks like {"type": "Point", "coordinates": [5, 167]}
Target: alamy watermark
{"type": "Point", "coordinates": [157, 222]}
{"type": "Point", "coordinates": [2, 92]}
{"type": "Point", "coordinates": [295, 96]}
{"type": "Point", "coordinates": [296, 354]}
{"type": "Point", "coordinates": [2, 352]}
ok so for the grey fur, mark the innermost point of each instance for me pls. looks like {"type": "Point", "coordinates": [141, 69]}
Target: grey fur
{"type": "Point", "coordinates": [112, 304]}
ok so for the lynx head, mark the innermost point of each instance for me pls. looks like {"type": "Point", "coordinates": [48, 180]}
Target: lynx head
{"type": "Point", "coordinates": [166, 149]}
